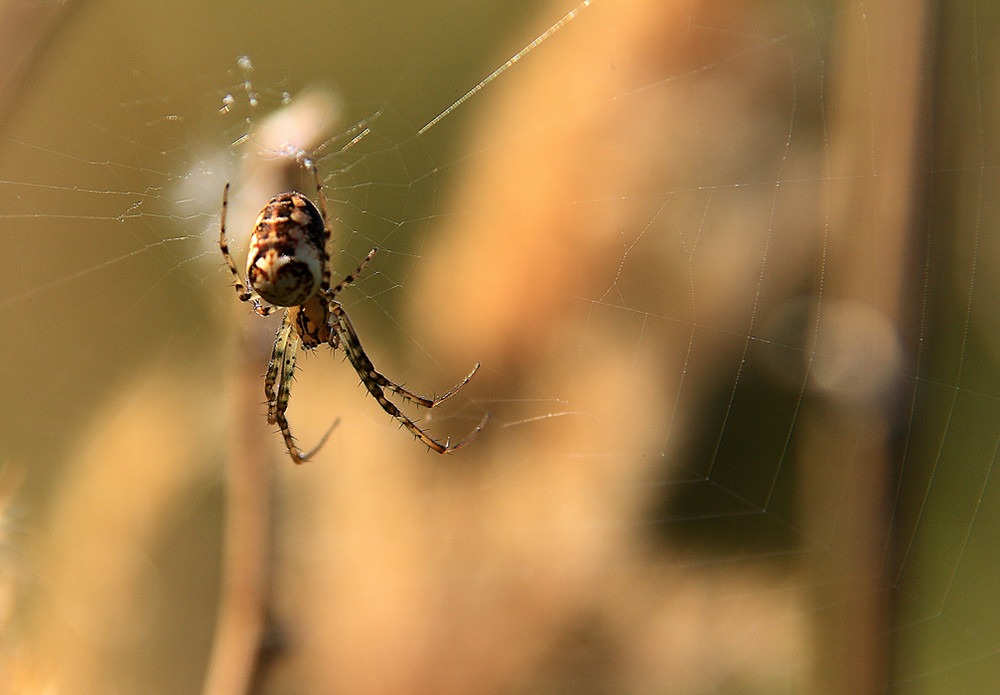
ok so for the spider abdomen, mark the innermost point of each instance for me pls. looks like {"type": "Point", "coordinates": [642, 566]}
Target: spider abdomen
{"type": "Point", "coordinates": [287, 255]}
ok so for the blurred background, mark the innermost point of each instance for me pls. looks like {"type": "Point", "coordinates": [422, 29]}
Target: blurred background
{"type": "Point", "coordinates": [730, 271]}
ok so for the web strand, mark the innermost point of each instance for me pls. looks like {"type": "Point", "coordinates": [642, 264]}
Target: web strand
{"type": "Point", "coordinates": [566, 19]}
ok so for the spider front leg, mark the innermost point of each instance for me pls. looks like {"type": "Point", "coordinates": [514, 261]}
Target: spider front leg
{"type": "Point", "coordinates": [327, 234]}
{"type": "Point", "coordinates": [281, 370]}
{"type": "Point", "coordinates": [375, 383]}
{"type": "Point", "coordinates": [333, 315]}
{"type": "Point", "coordinates": [331, 293]}
{"type": "Point", "coordinates": [340, 325]}
{"type": "Point", "coordinates": [243, 290]}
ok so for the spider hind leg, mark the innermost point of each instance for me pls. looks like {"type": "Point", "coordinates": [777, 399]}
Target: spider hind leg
{"type": "Point", "coordinates": [376, 383]}
{"type": "Point", "coordinates": [281, 370]}
{"type": "Point", "coordinates": [243, 290]}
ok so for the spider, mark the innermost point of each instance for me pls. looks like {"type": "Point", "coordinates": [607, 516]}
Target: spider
{"type": "Point", "coordinates": [288, 266]}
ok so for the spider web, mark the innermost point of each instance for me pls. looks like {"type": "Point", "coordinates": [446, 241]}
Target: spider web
{"type": "Point", "coordinates": [729, 273]}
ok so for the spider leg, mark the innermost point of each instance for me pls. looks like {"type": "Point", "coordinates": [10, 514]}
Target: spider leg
{"type": "Point", "coordinates": [325, 283]}
{"type": "Point", "coordinates": [243, 290]}
{"type": "Point", "coordinates": [375, 383]}
{"type": "Point", "coordinates": [331, 293]}
{"type": "Point", "coordinates": [277, 367]}
{"type": "Point", "coordinates": [327, 234]}
{"type": "Point", "coordinates": [438, 400]}
{"type": "Point", "coordinates": [281, 370]}
{"type": "Point", "coordinates": [340, 325]}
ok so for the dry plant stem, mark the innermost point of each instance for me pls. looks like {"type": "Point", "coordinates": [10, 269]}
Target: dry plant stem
{"type": "Point", "coordinates": [236, 659]}
{"type": "Point", "coordinates": [26, 29]}
{"type": "Point", "coordinates": [871, 223]}
{"type": "Point", "coordinates": [242, 617]}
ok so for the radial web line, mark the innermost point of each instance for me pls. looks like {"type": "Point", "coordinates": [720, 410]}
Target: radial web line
{"type": "Point", "coordinates": [566, 18]}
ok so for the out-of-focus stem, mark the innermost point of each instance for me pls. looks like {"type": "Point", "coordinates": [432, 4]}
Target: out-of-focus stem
{"type": "Point", "coordinates": [236, 661]}
{"type": "Point", "coordinates": [245, 583]}
{"type": "Point", "coordinates": [846, 441]}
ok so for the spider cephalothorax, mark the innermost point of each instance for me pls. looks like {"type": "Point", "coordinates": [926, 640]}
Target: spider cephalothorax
{"type": "Point", "coordinates": [288, 267]}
